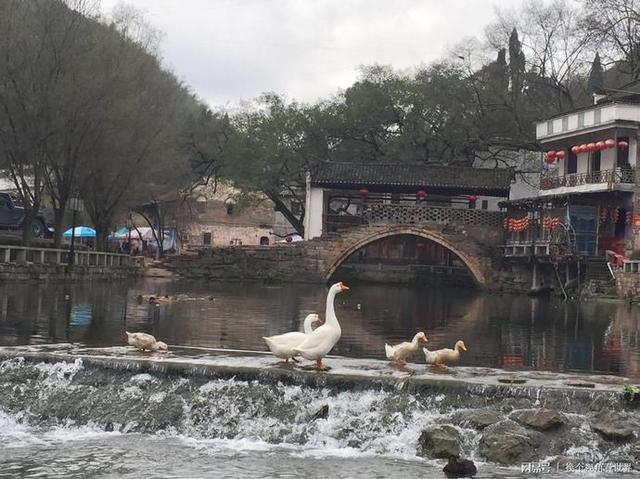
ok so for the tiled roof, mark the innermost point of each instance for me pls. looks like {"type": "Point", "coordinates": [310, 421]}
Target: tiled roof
{"type": "Point", "coordinates": [383, 175]}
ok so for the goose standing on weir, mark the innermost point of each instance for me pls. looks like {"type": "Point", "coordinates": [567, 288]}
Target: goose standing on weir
{"type": "Point", "coordinates": [318, 344]}
{"type": "Point", "coordinates": [282, 345]}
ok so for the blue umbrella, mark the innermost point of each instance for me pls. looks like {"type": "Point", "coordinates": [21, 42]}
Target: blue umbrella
{"type": "Point", "coordinates": [80, 232]}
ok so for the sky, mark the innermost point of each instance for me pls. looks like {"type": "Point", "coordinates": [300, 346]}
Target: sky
{"type": "Point", "coordinates": [234, 50]}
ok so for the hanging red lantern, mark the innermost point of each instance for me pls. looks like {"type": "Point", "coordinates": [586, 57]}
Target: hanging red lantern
{"type": "Point", "coordinates": [575, 149]}
{"type": "Point", "coordinates": [603, 215]}
{"type": "Point", "coordinates": [591, 147]}
{"type": "Point", "coordinates": [610, 143]}
{"type": "Point", "coordinates": [363, 192]}
{"type": "Point", "coordinates": [472, 198]}
{"type": "Point", "coordinates": [628, 216]}
{"type": "Point", "coordinates": [551, 154]}
{"type": "Point", "coordinates": [623, 145]}
{"type": "Point", "coordinates": [560, 155]}
{"type": "Point", "coordinates": [601, 145]}
{"type": "Point", "coordinates": [421, 194]}
{"type": "Point", "coordinates": [549, 160]}
{"type": "Point", "coordinates": [583, 148]}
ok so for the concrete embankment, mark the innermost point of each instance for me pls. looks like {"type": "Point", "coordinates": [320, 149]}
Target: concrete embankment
{"type": "Point", "coordinates": [344, 372]}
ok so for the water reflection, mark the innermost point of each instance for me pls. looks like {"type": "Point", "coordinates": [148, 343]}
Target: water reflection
{"type": "Point", "coordinates": [500, 331]}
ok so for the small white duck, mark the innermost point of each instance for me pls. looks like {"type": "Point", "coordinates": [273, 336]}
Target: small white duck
{"type": "Point", "coordinates": [399, 352]}
{"type": "Point", "coordinates": [146, 342]}
{"type": "Point", "coordinates": [282, 345]}
{"type": "Point", "coordinates": [443, 356]}
{"type": "Point", "coordinates": [318, 344]}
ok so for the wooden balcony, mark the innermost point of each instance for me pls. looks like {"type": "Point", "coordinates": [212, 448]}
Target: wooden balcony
{"type": "Point", "coordinates": [413, 215]}
{"type": "Point", "coordinates": [612, 177]}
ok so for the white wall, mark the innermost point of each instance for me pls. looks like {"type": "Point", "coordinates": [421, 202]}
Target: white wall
{"type": "Point", "coordinates": [314, 212]}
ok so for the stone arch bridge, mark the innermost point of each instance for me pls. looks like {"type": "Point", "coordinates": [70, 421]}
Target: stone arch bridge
{"type": "Point", "coordinates": [476, 246]}
{"type": "Point", "coordinates": [473, 235]}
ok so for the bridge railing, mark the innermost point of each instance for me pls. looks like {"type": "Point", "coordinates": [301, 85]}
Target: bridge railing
{"type": "Point", "coordinates": [415, 214]}
{"type": "Point", "coordinates": [23, 254]}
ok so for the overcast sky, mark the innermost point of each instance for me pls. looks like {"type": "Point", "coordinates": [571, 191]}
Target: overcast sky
{"type": "Point", "coordinates": [233, 50]}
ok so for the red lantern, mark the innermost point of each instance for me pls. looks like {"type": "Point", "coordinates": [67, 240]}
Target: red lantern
{"type": "Point", "coordinates": [591, 147]}
{"type": "Point", "coordinates": [551, 154]}
{"type": "Point", "coordinates": [575, 149]}
{"type": "Point", "coordinates": [610, 143]}
{"type": "Point", "coordinates": [601, 145]}
{"type": "Point", "coordinates": [584, 148]}
{"type": "Point", "coordinates": [603, 215]}
{"type": "Point", "coordinates": [363, 192]}
{"type": "Point", "coordinates": [623, 145]}
{"type": "Point", "coordinates": [560, 155]}
{"type": "Point", "coordinates": [628, 216]}
{"type": "Point", "coordinates": [472, 198]}
{"type": "Point", "coordinates": [421, 194]}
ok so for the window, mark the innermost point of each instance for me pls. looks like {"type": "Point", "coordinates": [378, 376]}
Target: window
{"type": "Point", "coordinates": [549, 127]}
{"type": "Point", "coordinates": [264, 241]}
{"type": "Point", "coordinates": [623, 154]}
{"type": "Point", "coordinates": [572, 163]}
{"type": "Point", "coordinates": [597, 116]}
{"type": "Point", "coordinates": [201, 206]}
{"type": "Point", "coordinates": [595, 161]}
{"type": "Point", "coordinates": [206, 239]}
{"type": "Point", "coordinates": [485, 204]}
{"type": "Point", "coordinates": [580, 120]}
{"type": "Point", "coordinates": [230, 208]}
{"type": "Point", "coordinates": [565, 123]}
{"type": "Point", "coordinates": [472, 205]}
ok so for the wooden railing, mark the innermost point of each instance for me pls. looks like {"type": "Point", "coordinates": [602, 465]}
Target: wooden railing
{"type": "Point", "coordinates": [23, 254]}
{"type": "Point", "coordinates": [615, 176]}
{"type": "Point", "coordinates": [415, 214]}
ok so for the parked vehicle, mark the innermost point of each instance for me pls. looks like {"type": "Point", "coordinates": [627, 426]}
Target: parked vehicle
{"type": "Point", "coordinates": [12, 217]}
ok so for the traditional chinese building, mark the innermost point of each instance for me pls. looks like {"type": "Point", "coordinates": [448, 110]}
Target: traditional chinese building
{"type": "Point", "coordinates": [584, 208]}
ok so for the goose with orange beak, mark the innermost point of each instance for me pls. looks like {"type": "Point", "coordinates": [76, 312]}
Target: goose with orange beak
{"type": "Point", "coordinates": [322, 340]}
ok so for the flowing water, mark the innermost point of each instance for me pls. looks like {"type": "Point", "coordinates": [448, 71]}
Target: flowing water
{"type": "Point", "coordinates": [67, 419]}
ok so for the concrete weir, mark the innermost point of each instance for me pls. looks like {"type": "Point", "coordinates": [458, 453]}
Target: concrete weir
{"type": "Point", "coordinates": [345, 373]}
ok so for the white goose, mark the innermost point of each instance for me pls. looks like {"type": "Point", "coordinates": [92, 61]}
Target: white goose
{"type": "Point", "coordinates": [282, 345]}
{"type": "Point", "coordinates": [318, 344]}
{"type": "Point", "coordinates": [442, 356]}
{"type": "Point", "coordinates": [399, 352]}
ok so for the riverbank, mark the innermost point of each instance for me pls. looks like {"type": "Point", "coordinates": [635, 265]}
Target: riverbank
{"type": "Point", "coordinates": [361, 406]}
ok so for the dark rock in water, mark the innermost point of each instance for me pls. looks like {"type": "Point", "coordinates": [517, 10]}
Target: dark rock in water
{"type": "Point", "coordinates": [541, 419]}
{"type": "Point", "coordinates": [459, 467]}
{"type": "Point", "coordinates": [478, 418]}
{"type": "Point", "coordinates": [440, 441]}
{"type": "Point", "coordinates": [509, 443]}
{"type": "Point", "coordinates": [321, 413]}
{"type": "Point", "coordinates": [614, 426]}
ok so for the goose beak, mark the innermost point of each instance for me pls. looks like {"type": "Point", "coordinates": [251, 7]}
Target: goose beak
{"type": "Point", "coordinates": [344, 287]}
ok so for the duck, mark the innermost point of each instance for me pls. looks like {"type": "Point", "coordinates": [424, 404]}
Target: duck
{"type": "Point", "coordinates": [322, 340]}
{"type": "Point", "coordinates": [146, 342]}
{"type": "Point", "coordinates": [282, 345]}
{"type": "Point", "coordinates": [399, 352]}
{"type": "Point", "coordinates": [446, 355]}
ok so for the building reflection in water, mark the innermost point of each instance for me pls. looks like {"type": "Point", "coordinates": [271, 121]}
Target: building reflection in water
{"type": "Point", "coordinates": [508, 331]}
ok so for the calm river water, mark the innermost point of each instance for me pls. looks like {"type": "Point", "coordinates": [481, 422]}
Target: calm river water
{"type": "Point", "coordinates": [508, 331]}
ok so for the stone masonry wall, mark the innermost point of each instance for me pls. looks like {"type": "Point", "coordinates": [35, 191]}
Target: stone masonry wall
{"type": "Point", "coordinates": [60, 272]}
{"type": "Point", "coordinates": [628, 284]}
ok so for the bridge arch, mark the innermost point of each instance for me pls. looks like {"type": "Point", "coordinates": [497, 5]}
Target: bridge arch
{"type": "Point", "coordinates": [355, 240]}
